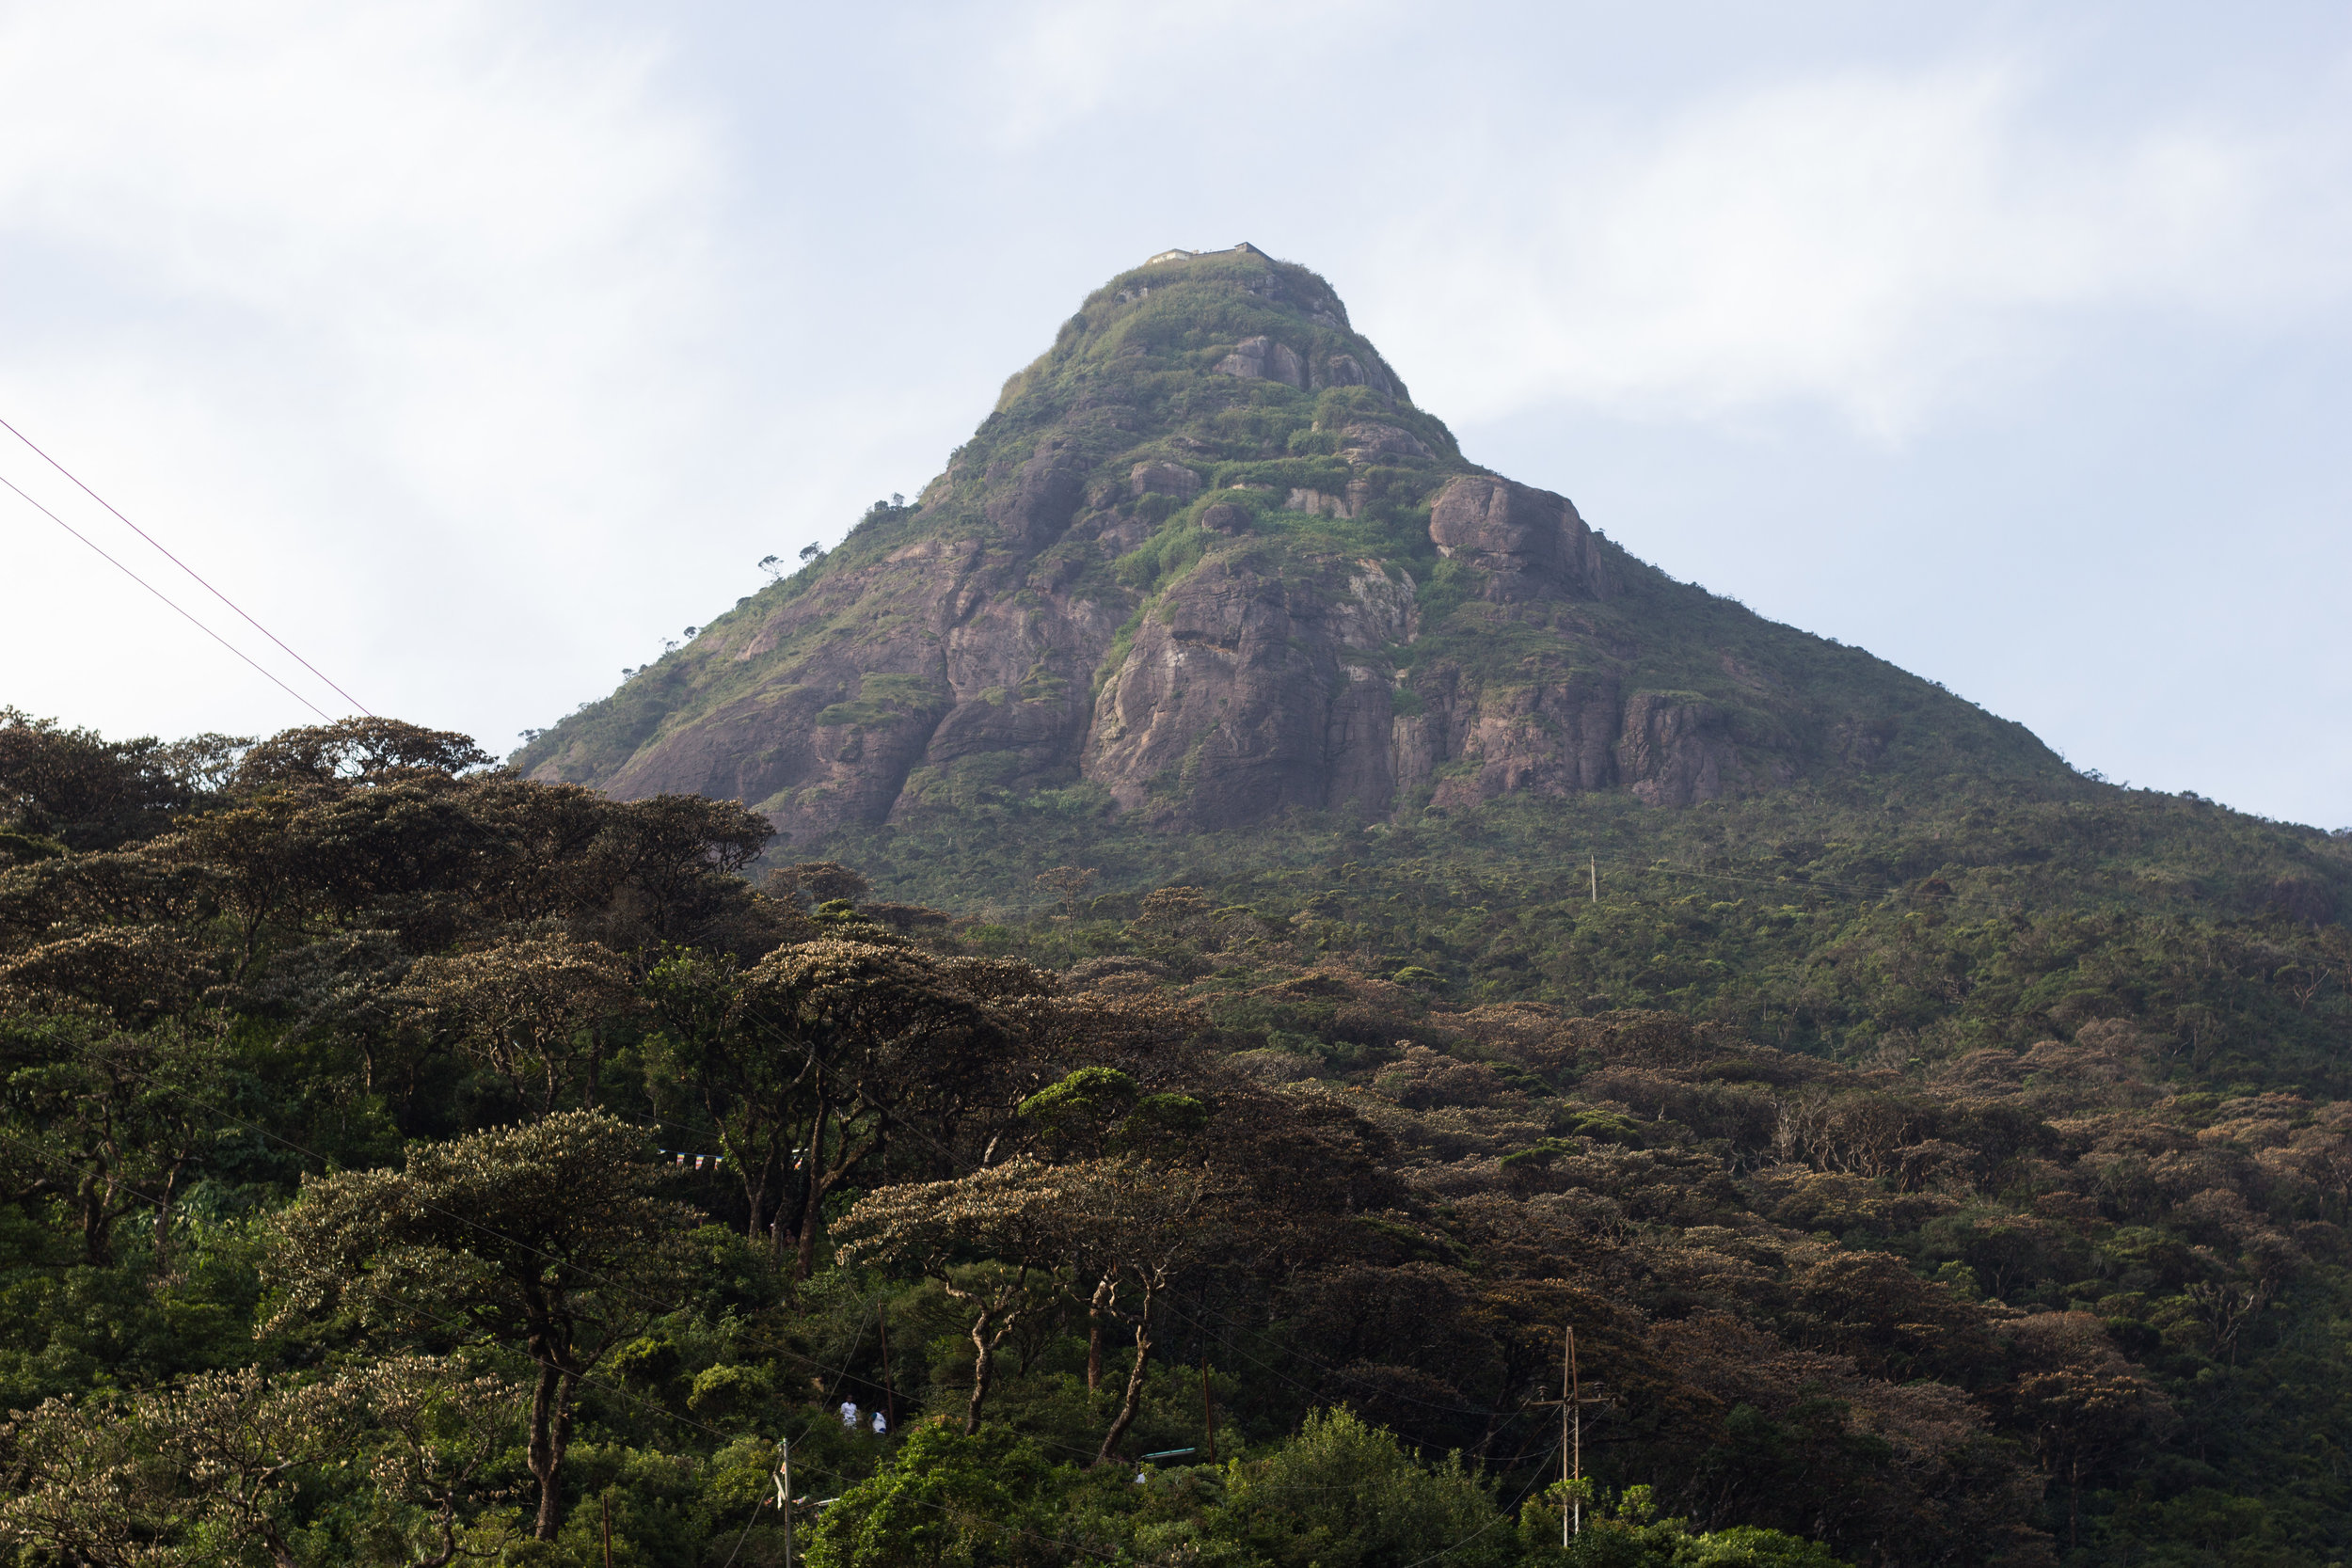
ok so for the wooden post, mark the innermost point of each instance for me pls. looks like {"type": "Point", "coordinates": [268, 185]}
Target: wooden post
{"type": "Point", "coordinates": [890, 1397]}
{"type": "Point", "coordinates": [786, 1443]}
{"type": "Point", "coordinates": [1568, 1407]}
{"type": "Point", "coordinates": [1592, 863]}
{"type": "Point", "coordinates": [1208, 1406]}
{"type": "Point", "coordinates": [608, 1528]}
{"type": "Point", "coordinates": [1571, 1403]}
{"type": "Point", "coordinates": [1576, 1445]}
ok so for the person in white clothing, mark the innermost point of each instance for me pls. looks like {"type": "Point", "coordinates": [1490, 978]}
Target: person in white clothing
{"type": "Point", "coordinates": [881, 1428]}
{"type": "Point", "coordinates": [849, 1415]}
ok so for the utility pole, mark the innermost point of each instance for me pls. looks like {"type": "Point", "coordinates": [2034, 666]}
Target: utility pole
{"type": "Point", "coordinates": [608, 1528]}
{"type": "Point", "coordinates": [1592, 863]}
{"type": "Point", "coordinates": [1574, 1415]}
{"type": "Point", "coordinates": [1208, 1406]}
{"type": "Point", "coordinates": [784, 1486]}
{"type": "Point", "coordinates": [1571, 1403]}
{"type": "Point", "coordinates": [890, 1395]}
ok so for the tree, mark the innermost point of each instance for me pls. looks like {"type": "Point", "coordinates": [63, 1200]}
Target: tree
{"type": "Point", "coordinates": [948, 1497]}
{"type": "Point", "coordinates": [544, 1237]}
{"type": "Point", "coordinates": [819, 881]}
{"type": "Point", "coordinates": [1346, 1494]}
{"type": "Point", "coordinates": [750, 1090]}
{"type": "Point", "coordinates": [1091, 1112]}
{"type": "Point", "coordinates": [439, 1429]}
{"type": "Point", "coordinates": [75, 789]}
{"type": "Point", "coordinates": [1077, 1117]}
{"type": "Point", "coordinates": [205, 1471]}
{"type": "Point", "coordinates": [677, 859]}
{"type": "Point", "coordinates": [627, 873]}
{"type": "Point", "coordinates": [2080, 1400]}
{"type": "Point", "coordinates": [107, 1120]}
{"type": "Point", "coordinates": [214, 1470]}
{"type": "Point", "coordinates": [1068, 884]}
{"type": "Point", "coordinates": [992, 1239]}
{"type": "Point", "coordinates": [357, 751]}
{"type": "Point", "coordinates": [1134, 1222]}
{"type": "Point", "coordinates": [868, 1029]}
{"type": "Point", "coordinates": [995, 1238]}
{"type": "Point", "coordinates": [136, 976]}
{"type": "Point", "coordinates": [534, 1011]}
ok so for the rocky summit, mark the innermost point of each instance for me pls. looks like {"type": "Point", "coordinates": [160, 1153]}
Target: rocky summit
{"type": "Point", "coordinates": [1208, 558]}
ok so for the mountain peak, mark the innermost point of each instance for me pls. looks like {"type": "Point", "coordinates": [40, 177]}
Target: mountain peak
{"type": "Point", "coordinates": [1205, 562]}
{"type": "Point", "coordinates": [1282, 322]}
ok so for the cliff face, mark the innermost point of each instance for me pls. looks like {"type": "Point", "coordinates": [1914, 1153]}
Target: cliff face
{"type": "Point", "coordinates": [1207, 557]}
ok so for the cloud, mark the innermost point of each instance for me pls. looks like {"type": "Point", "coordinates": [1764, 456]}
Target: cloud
{"type": "Point", "coordinates": [1055, 67]}
{"type": "Point", "coordinates": [1877, 242]}
{"type": "Point", "coordinates": [372, 310]}
{"type": "Point", "coordinates": [462, 211]}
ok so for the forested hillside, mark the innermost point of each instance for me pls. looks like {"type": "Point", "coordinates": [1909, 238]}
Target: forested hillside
{"type": "Point", "coordinates": [410, 1162]}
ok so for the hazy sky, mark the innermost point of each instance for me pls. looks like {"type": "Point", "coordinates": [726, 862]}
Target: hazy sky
{"type": "Point", "coordinates": [475, 349]}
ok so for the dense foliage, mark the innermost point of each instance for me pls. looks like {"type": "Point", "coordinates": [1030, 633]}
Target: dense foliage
{"type": "Point", "coordinates": [406, 1162]}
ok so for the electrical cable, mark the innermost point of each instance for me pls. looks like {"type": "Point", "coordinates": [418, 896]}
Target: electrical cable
{"type": "Point", "coordinates": [184, 566]}
{"type": "Point", "coordinates": [166, 598]}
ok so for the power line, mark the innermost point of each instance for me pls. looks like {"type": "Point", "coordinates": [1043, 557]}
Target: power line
{"type": "Point", "coordinates": [161, 595]}
{"type": "Point", "coordinates": [186, 567]}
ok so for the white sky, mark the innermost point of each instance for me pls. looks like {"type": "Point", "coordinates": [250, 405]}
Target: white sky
{"type": "Point", "coordinates": [475, 349]}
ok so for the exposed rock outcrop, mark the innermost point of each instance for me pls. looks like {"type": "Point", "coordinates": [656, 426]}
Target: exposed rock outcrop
{"type": "Point", "coordinates": [1525, 542]}
{"type": "Point", "coordinates": [1168, 479]}
{"type": "Point", "coordinates": [1675, 749]}
{"type": "Point", "coordinates": [1262, 357]}
{"type": "Point", "coordinates": [1372, 443]}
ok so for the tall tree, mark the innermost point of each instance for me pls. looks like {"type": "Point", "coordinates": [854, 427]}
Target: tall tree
{"type": "Point", "coordinates": [869, 1030]}
{"type": "Point", "coordinates": [105, 1120]}
{"type": "Point", "coordinates": [535, 1011]}
{"type": "Point", "coordinates": [214, 1470]}
{"type": "Point", "coordinates": [993, 1240]}
{"type": "Point", "coordinates": [702, 1058]}
{"type": "Point", "coordinates": [1135, 1223]}
{"type": "Point", "coordinates": [544, 1237]}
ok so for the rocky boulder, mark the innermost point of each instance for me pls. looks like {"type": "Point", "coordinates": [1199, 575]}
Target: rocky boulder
{"type": "Point", "coordinates": [1256, 358]}
{"type": "Point", "coordinates": [1527, 541]}
{"type": "Point", "coordinates": [1168, 479]}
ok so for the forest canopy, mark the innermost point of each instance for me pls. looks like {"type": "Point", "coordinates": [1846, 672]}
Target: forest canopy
{"type": "Point", "coordinates": [406, 1162]}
